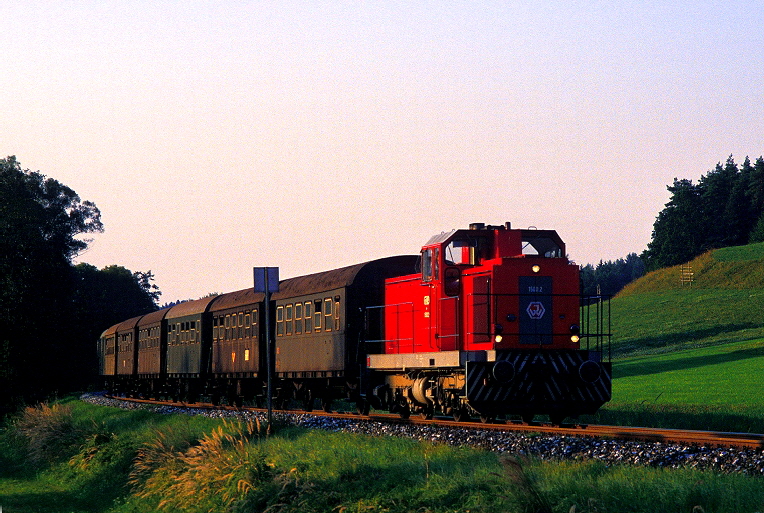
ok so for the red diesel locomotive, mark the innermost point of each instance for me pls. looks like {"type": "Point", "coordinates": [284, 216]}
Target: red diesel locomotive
{"type": "Point", "coordinates": [486, 321]}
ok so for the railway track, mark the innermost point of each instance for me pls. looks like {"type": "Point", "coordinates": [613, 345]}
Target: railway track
{"type": "Point", "coordinates": [642, 434]}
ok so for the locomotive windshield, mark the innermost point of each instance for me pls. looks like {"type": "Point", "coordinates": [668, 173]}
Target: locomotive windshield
{"type": "Point", "coordinates": [541, 246]}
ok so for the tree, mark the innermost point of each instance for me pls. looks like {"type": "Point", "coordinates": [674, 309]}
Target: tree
{"type": "Point", "coordinates": [102, 298]}
{"type": "Point", "coordinates": [608, 278]}
{"type": "Point", "coordinates": [40, 221]}
{"type": "Point", "coordinates": [677, 232]}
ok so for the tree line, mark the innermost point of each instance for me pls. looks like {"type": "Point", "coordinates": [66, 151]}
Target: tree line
{"type": "Point", "coordinates": [52, 311]}
{"type": "Point", "coordinates": [724, 208]}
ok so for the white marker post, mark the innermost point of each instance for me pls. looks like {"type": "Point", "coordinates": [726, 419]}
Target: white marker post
{"type": "Point", "coordinates": [267, 282]}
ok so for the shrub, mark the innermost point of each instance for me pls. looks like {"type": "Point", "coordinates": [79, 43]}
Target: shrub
{"type": "Point", "coordinates": [49, 432]}
{"type": "Point", "coordinates": [211, 475]}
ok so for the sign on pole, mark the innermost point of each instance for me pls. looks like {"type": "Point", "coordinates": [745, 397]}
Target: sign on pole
{"type": "Point", "coordinates": [266, 279]}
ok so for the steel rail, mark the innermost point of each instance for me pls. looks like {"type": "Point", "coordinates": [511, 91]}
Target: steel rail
{"type": "Point", "coordinates": [644, 434]}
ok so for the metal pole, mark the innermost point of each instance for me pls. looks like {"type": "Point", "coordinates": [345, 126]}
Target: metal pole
{"type": "Point", "coordinates": [269, 351]}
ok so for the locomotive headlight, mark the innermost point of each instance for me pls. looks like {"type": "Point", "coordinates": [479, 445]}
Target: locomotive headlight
{"type": "Point", "coordinates": [575, 339]}
{"type": "Point", "coordinates": [535, 268]}
{"type": "Point", "coordinates": [498, 329]}
{"type": "Point", "coordinates": [497, 339]}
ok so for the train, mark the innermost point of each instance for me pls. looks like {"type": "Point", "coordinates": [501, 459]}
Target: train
{"type": "Point", "coordinates": [486, 321]}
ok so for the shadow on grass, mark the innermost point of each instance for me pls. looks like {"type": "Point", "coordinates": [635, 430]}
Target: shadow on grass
{"type": "Point", "coordinates": [704, 418]}
{"type": "Point", "coordinates": [635, 345]}
{"type": "Point", "coordinates": [644, 368]}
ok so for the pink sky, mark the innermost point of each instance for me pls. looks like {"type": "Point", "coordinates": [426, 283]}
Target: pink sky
{"type": "Point", "coordinates": [217, 136]}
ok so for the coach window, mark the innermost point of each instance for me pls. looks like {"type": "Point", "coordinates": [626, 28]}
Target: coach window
{"type": "Point", "coordinates": [308, 316]}
{"type": "Point", "coordinates": [255, 334]}
{"type": "Point", "coordinates": [297, 318]}
{"type": "Point", "coordinates": [228, 327]}
{"type": "Point", "coordinates": [317, 316]}
{"type": "Point", "coordinates": [241, 325]}
{"type": "Point", "coordinates": [193, 331]}
{"type": "Point", "coordinates": [337, 313]}
{"type": "Point", "coordinates": [288, 313]}
{"type": "Point", "coordinates": [280, 321]}
{"type": "Point", "coordinates": [247, 325]}
{"type": "Point", "coordinates": [328, 314]}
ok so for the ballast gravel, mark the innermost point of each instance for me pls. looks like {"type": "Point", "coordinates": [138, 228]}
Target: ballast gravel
{"type": "Point", "coordinates": [544, 447]}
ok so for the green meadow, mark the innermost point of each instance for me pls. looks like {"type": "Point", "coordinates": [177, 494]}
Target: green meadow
{"type": "Point", "coordinates": [691, 356]}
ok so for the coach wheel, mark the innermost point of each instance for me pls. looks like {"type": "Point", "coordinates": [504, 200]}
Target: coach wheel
{"type": "Point", "coordinates": [307, 400]}
{"type": "Point", "coordinates": [556, 418]}
{"type": "Point", "coordinates": [326, 404]}
{"type": "Point", "coordinates": [362, 406]}
{"type": "Point", "coordinates": [427, 413]}
{"type": "Point", "coordinates": [527, 417]}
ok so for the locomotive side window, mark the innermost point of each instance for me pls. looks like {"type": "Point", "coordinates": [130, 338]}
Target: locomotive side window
{"type": "Point", "coordinates": [427, 265]}
{"type": "Point", "coordinates": [280, 321]}
{"type": "Point", "coordinates": [466, 251]}
{"type": "Point", "coordinates": [308, 316]}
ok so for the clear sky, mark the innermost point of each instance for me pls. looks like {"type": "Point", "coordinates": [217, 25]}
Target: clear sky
{"type": "Point", "coordinates": [220, 135]}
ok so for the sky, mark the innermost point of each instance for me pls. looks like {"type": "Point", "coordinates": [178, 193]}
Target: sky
{"type": "Point", "coordinates": [215, 136]}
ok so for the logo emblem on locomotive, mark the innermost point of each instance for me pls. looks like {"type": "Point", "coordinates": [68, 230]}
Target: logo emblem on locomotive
{"type": "Point", "coordinates": [535, 310]}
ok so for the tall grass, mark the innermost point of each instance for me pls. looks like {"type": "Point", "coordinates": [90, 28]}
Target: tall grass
{"type": "Point", "coordinates": [129, 463]}
{"type": "Point", "coordinates": [49, 433]}
{"type": "Point", "coordinates": [211, 475]}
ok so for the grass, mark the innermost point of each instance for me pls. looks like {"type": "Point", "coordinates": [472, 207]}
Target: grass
{"type": "Point", "coordinates": [133, 463]}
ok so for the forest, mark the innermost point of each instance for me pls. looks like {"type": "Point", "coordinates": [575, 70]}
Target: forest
{"type": "Point", "coordinates": [52, 311]}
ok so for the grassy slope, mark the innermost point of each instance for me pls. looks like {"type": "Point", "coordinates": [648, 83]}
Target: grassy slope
{"type": "Point", "coordinates": [725, 303]}
{"type": "Point", "coordinates": [691, 356]}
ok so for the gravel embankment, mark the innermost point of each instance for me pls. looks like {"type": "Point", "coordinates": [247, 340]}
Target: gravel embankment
{"type": "Point", "coordinates": [545, 447]}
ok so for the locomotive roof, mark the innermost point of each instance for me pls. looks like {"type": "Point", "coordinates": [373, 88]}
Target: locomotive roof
{"type": "Point", "coordinates": [238, 298]}
{"type": "Point", "coordinates": [339, 278]}
{"type": "Point", "coordinates": [196, 306]}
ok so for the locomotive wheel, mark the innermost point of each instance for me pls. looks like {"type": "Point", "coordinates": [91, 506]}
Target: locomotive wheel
{"type": "Point", "coordinates": [487, 419]}
{"type": "Point", "coordinates": [461, 415]}
{"type": "Point", "coordinates": [326, 404]}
